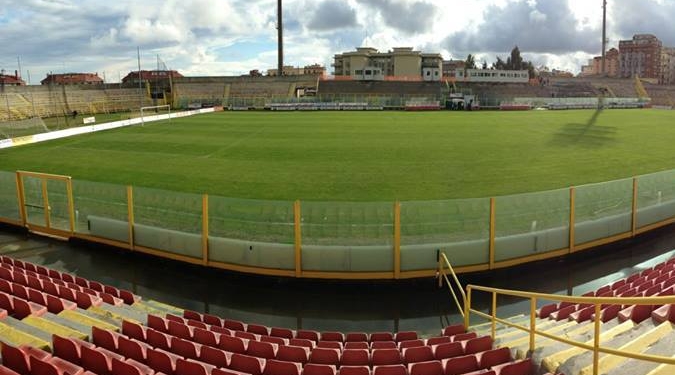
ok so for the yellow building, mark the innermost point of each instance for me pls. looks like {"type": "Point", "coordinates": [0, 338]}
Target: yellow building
{"type": "Point", "coordinates": [401, 62]}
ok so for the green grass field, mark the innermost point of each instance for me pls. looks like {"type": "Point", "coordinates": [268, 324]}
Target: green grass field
{"type": "Point", "coordinates": [365, 156]}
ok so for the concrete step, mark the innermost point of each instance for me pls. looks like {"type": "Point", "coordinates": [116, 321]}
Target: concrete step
{"type": "Point", "coordinates": [79, 316]}
{"type": "Point", "coordinates": [485, 329]}
{"type": "Point", "coordinates": [29, 329]}
{"type": "Point", "coordinates": [639, 344]}
{"type": "Point", "coordinates": [126, 312]}
{"type": "Point", "coordinates": [157, 308]}
{"type": "Point", "coordinates": [76, 326]}
{"type": "Point", "coordinates": [16, 337]}
{"type": "Point", "coordinates": [545, 346]}
{"type": "Point", "coordinates": [563, 351]}
{"type": "Point", "coordinates": [512, 334]}
{"type": "Point", "coordinates": [54, 328]}
{"type": "Point", "coordinates": [578, 363]}
{"type": "Point", "coordinates": [524, 340]}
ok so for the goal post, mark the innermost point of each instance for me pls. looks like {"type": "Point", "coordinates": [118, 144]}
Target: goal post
{"type": "Point", "coordinates": [153, 110]}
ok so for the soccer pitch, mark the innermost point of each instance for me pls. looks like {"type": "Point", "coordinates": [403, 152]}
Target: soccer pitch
{"type": "Point", "coordinates": [365, 156]}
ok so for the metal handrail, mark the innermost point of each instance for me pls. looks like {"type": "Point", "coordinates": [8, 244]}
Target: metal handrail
{"type": "Point", "coordinates": [597, 302]}
{"type": "Point", "coordinates": [444, 263]}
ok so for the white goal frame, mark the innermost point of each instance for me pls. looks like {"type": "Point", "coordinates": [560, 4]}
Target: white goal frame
{"type": "Point", "coordinates": [167, 106]}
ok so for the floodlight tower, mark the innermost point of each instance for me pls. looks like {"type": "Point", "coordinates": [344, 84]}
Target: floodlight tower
{"type": "Point", "coordinates": [603, 70]}
{"type": "Point", "coordinates": [280, 39]}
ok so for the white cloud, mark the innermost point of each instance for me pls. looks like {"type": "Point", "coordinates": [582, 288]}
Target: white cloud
{"type": "Point", "coordinates": [213, 37]}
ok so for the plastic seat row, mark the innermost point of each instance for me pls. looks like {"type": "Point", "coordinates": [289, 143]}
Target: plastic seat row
{"type": "Point", "coordinates": [54, 303]}
{"type": "Point", "coordinates": [84, 298]}
{"type": "Point", "coordinates": [301, 334]}
{"type": "Point", "coordinates": [126, 296]}
{"type": "Point", "coordinates": [19, 307]}
{"type": "Point", "coordinates": [31, 361]}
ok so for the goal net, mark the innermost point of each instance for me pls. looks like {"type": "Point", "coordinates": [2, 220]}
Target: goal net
{"type": "Point", "coordinates": [155, 110]}
{"type": "Point", "coordinates": [20, 128]}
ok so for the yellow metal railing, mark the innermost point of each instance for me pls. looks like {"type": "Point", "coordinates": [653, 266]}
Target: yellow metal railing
{"type": "Point", "coordinates": [597, 302]}
{"type": "Point", "coordinates": [444, 267]}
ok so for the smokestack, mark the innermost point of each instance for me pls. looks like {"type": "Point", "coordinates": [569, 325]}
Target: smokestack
{"type": "Point", "coordinates": [603, 70]}
{"type": "Point", "coordinates": [280, 39]}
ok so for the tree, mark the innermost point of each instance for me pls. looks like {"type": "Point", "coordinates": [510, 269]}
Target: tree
{"type": "Point", "coordinates": [499, 64]}
{"type": "Point", "coordinates": [470, 62]}
{"type": "Point", "coordinates": [516, 59]}
{"type": "Point", "coordinates": [485, 66]}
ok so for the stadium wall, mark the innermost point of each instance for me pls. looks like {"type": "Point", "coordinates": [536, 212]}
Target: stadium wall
{"type": "Point", "coordinates": [340, 240]}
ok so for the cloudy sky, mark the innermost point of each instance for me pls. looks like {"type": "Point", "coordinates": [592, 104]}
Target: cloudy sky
{"type": "Point", "coordinates": [231, 37]}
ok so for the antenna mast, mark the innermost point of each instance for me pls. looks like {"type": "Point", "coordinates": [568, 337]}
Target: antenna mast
{"type": "Point", "coordinates": [280, 39]}
{"type": "Point", "coordinates": [603, 69]}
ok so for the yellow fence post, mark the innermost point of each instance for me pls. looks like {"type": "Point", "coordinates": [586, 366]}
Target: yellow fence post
{"type": "Point", "coordinates": [634, 212]}
{"type": "Point", "coordinates": [45, 202]}
{"type": "Point", "coordinates": [533, 321]}
{"type": "Point", "coordinates": [397, 240]}
{"type": "Point", "coordinates": [572, 203]}
{"type": "Point", "coordinates": [21, 198]}
{"type": "Point", "coordinates": [130, 215]}
{"type": "Point", "coordinates": [205, 229]}
{"type": "Point", "coordinates": [494, 315]}
{"type": "Point", "coordinates": [71, 204]}
{"type": "Point", "coordinates": [467, 308]}
{"type": "Point", "coordinates": [596, 340]}
{"type": "Point", "coordinates": [492, 233]}
{"type": "Point", "coordinates": [297, 212]}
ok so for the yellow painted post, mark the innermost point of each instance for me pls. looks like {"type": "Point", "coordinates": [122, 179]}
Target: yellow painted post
{"type": "Point", "coordinates": [397, 240]}
{"type": "Point", "coordinates": [494, 315]}
{"type": "Point", "coordinates": [533, 322]}
{"type": "Point", "coordinates": [130, 215]}
{"type": "Point", "coordinates": [205, 229]}
{"type": "Point", "coordinates": [492, 232]}
{"type": "Point", "coordinates": [297, 212]}
{"type": "Point", "coordinates": [635, 202]}
{"type": "Point", "coordinates": [596, 340]}
{"type": "Point", "coordinates": [21, 198]}
{"type": "Point", "coordinates": [71, 204]}
{"type": "Point", "coordinates": [45, 200]}
{"type": "Point", "coordinates": [572, 199]}
{"type": "Point", "coordinates": [467, 309]}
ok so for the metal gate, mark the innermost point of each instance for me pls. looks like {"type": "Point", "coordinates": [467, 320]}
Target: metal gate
{"type": "Point", "coordinates": [46, 202]}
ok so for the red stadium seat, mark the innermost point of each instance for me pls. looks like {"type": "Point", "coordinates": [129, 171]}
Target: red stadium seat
{"type": "Point", "coordinates": [493, 357]}
{"type": "Point", "coordinates": [158, 323]}
{"type": "Point", "coordinates": [316, 369]}
{"type": "Point", "coordinates": [438, 340]}
{"type": "Point", "coordinates": [5, 286]}
{"type": "Point", "coordinates": [213, 320]}
{"type": "Point", "coordinates": [357, 345]}
{"type": "Point", "coordinates": [98, 360]}
{"type": "Point", "coordinates": [405, 336]}
{"type": "Point", "coordinates": [426, 368]}
{"type": "Point", "coordinates": [189, 314]}
{"type": "Point", "coordinates": [302, 342]}
{"type": "Point", "coordinates": [234, 325]}
{"type": "Point", "coordinates": [23, 308]}
{"type": "Point", "coordinates": [460, 365]}
{"type": "Point", "coordinates": [282, 332]}
{"type": "Point", "coordinates": [354, 370]}
{"type": "Point", "coordinates": [247, 364]}
{"type": "Point", "coordinates": [418, 354]}
{"type": "Point", "coordinates": [131, 348]}
{"type": "Point", "coordinates": [7, 371]}
{"type": "Point", "coordinates": [355, 357]}
{"type": "Point", "coordinates": [386, 357]}
{"type": "Point", "coordinates": [453, 330]}
{"type": "Point", "coordinates": [233, 344]}
{"type": "Point", "coordinates": [190, 367]}
{"type": "Point", "coordinates": [262, 349]}
{"type": "Point", "coordinates": [448, 350]}
{"type": "Point", "coordinates": [134, 330]}
{"type": "Point", "coordinates": [274, 340]}
{"type": "Point", "coordinates": [54, 366]}
{"type": "Point", "coordinates": [185, 348]}
{"type": "Point", "coordinates": [383, 345]}
{"type": "Point", "coordinates": [522, 367]}
{"type": "Point", "coordinates": [410, 343]}
{"type": "Point", "coordinates": [15, 359]}
{"type": "Point", "coordinates": [125, 368]}
{"type": "Point", "coordinates": [162, 361]}
{"type": "Point", "coordinates": [214, 356]}
{"type": "Point", "coordinates": [258, 329]}
{"type": "Point", "coordinates": [104, 338]}
{"type": "Point", "coordinates": [205, 337]}
{"type": "Point", "coordinates": [293, 354]}
{"type": "Point", "coordinates": [307, 335]}
{"type": "Point", "coordinates": [66, 348]}
{"type": "Point", "coordinates": [180, 330]}
{"type": "Point", "coordinates": [158, 339]}
{"type": "Point", "coordinates": [390, 370]}
{"type": "Point", "coordinates": [275, 367]}
{"type": "Point", "coordinates": [246, 335]}
{"type": "Point", "coordinates": [197, 324]}
{"type": "Point", "coordinates": [464, 336]}
{"type": "Point", "coordinates": [57, 304]}
{"type": "Point", "coordinates": [356, 337]}
{"type": "Point", "coordinates": [332, 336]}
{"type": "Point", "coordinates": [381, 336]}
{"type": "Point", "coordinates": [330, 345]}
{"type": "Point", "coordinates": [479, 344]}
{"type": "Point", "coordinates": [324, 356]}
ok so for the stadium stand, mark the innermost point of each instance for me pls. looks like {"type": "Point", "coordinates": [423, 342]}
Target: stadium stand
{"type": "Point", "coordinates": [661, 95]}
{"type": "Point", "coordinates": [100, 329]}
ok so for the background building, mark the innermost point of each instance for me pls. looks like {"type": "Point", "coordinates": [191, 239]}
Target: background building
{"type": "Point", "coordinates": [289, 70]}
{"type": "Point", "coordinates": [11, 80]}
{"type": "Point", "coordinates": [667, 66]}
{"type": "Point", "coordinates": [150, 75]}
{"type": "Point", "coordinates": [403, 62]}
{"type": "Point", "coordinates": [72, 79]}
{"type": "Point", "coordinates": [640, 56]}
{"type": "Point", "coordinates": [594, 66]}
